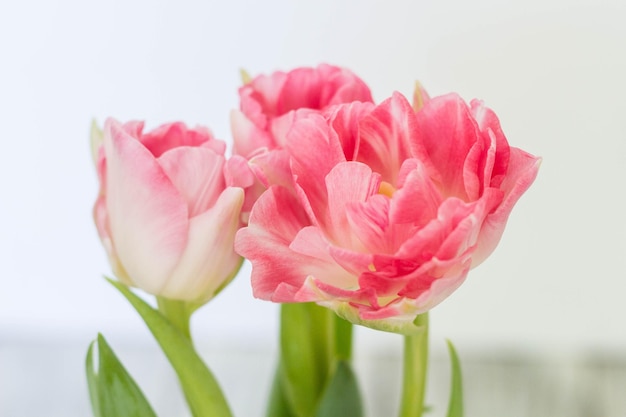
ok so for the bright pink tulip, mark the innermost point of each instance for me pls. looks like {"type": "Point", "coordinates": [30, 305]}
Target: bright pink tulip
{"type": "Point", "coordinates": [267, 105]}
{"type": "Point", "coordinates": [267, 102]}
{"type": "Point", "coordinates": [391, 207]}
{"type": "Point", "coordinates": [165, 214]}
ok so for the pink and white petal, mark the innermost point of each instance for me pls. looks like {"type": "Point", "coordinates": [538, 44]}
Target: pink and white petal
{"type": "Point", "coordinates": [417, 200]}
{"type": "Point", "coordinates": [344, 86]}
{"type": "Point", "coordinates": [352, 261]}
{"type": "Point", "coordinates": [344, 120]}
{"type": "Point", "coordinates": [248, 137]}
{"type": "Point", "coordinates": [277, 271]}
{"type": "Point", "coordinates": [209, 260]}
{"type": "Point", "coordinates": [148, 218]}
{"type": "Point", "coordinates": [279, 126]}
{"type": "Point", "coordinates": [101, 219]}
{"type": "Point", "coordinates": [302, 89]}
{"type": "Point", "coordinates": [197, 174]}
{"type": "Point", "coordinates": [279, 211]}
{"type": "Point", "coordinates": [174, 135]}
{"type": "Point", "coordinates": [466, 226]}
{"type": "Point", "coordinates": [523, 169]}
{"type": "Point", "coordinates": [369, 222]}
{"type": "Point", "coordinates": [447, 132]}
{"type": "Point", "coordinates": [348, 183]}
{"type": "Point", "coordinates": [311, 241]}
{"type": "Point", "coordinates": [427, 241]}
{"type": "Point", "coordinates": [489, 125]}
{"type": "Point", "coordinates": [273, 168]}
{"type": "Point", "coordinates": [314, 151]}
{"type": "Point", "coordinates": [259, 98]}
{"type": "Point", "coordinates": [386, 135]}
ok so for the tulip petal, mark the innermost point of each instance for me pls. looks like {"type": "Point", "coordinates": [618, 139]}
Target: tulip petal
{"type": "Point", "coordinates": [265, 242]}
{"type": "Point", "coordinates": [175, 135]}
{"type": "Point", "coordinates": [523, 169]}
{"type": "Point", "coordinates": [348, 183]}
{"type": "Point", "coordinates": [345, 120]}
{"type": "Point", "coordinates": [417, 199]}
{"type": "Point", "coordinates": [488, 123]}
{"type": "Point", "coordinates": [197, 175]}
{"type": "Point", "coordinates": [247, 137]}
{"type": "Point", "coordinates": [314, 150]}
{"type": "Point", "coordinates": [147, 216]}
{"type": "Point", "coordinates": [208, 262]}
{"type": "Point", "coordinates": [386, 135]}
{"type": "Point", "coordinates": [448, 132]}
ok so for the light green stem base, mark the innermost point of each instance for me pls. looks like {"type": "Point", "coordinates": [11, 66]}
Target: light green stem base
{"type": "Point", "coordinates": [178, 313]}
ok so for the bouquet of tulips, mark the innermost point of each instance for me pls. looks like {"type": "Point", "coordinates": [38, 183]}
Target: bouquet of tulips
{"type": "Point", "coordinates": [350, 212]}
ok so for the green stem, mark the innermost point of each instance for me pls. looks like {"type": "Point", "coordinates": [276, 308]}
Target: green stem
{"type": "Point", "coordinates": [178, 313]}
{"type": "Point", "coordinates": [415, 365]}
{"type": "Point", "coordinates": [343, 339]}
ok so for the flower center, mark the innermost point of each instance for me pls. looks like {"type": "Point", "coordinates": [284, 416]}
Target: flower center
{"type": "Point", "coordinates": [386, 189]}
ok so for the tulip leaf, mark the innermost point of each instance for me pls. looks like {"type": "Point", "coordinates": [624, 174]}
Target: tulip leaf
{"type": "Point", "coordinates": [201, 389]}
{"type": "Point", "coordinates": [455, 406]}
{"type": "Point", "coordinates": [112, 390]}
{"type": "Point", "coordinates": [341, 397]}
{"type": "Point", "coordinates": [278, 406]}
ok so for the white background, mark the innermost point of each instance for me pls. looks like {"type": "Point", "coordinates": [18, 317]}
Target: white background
{"type": "Point", "coordinates": [553, 70]}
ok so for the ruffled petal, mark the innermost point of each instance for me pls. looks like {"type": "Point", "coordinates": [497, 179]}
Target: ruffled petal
{"type": "Point", "coordinates": [175, 135]}
{"type": "Point", "coordinates": [347, 184]}
{"type": "Point", "coordinates": [197, 174]}
{"type": "Point", "coordinates": [523, 169]}
{"type": "Point", "coordinates": [447, 132]}
{"type": "Point", "coordinates": [248, 137]}
{"type": "Point", "coordinates": [275, 221]}
{"type": "Point", "coordinates": [314, 150]}
{"type": "Point", "coordinates": [344, 120]}
{"type": "Point", "coordinates": [209, 260]}
{"type": "Point", "coordinates": [386, 135]}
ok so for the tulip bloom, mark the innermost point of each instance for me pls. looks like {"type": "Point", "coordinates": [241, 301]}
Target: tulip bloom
{"type": "Point", "coordinates": [267, 108]}
{"type": "Point", "coordinates": [389, 209]}
{"type": "Point", "coordinates": [267, 102]}
{"type": "Point", "coordinates": [165, 214]}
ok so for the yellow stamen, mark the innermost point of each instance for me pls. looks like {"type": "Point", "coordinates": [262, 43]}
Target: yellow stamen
{"type": "Point", "coordinates": [386, 189]}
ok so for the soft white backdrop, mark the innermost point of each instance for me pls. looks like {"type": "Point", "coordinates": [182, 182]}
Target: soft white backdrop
{"type": "Point", "coordinates": [552, 69]}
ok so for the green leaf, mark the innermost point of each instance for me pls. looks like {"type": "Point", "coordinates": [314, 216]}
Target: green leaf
{"type": "Point", "coordinates": [341, 397]}
{"type": "Point", "coordinates": [112, 390]}
{"type": "Point", "coordinates": [202, 391]}
{"type": "Point", "coordinates": [278, 406]}
{"type": "Point", "coordinates": [455, 406]}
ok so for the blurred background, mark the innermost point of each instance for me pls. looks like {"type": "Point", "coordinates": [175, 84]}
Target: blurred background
{"type": "Point", "coordinates": [539, 326]}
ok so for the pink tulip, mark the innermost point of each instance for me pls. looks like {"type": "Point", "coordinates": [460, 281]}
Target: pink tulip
{"type": "Point", "coordinates": [391, 208]}
{"type": "Point", "coordinates": [267, 102]}
{"type": "Point", "coordinates": [267, 105]}
{"type": "Point", "coordinates": [165, 214]}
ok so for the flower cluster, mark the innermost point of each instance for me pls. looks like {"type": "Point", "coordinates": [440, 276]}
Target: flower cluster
{"type": "Point", "coordinates": [377, 211]}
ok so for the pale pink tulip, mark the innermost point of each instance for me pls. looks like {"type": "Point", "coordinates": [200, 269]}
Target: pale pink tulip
{"type": "Point", "coordinates": [391, 208]}
{"type": "Point", "coordinates": [165, 213]}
